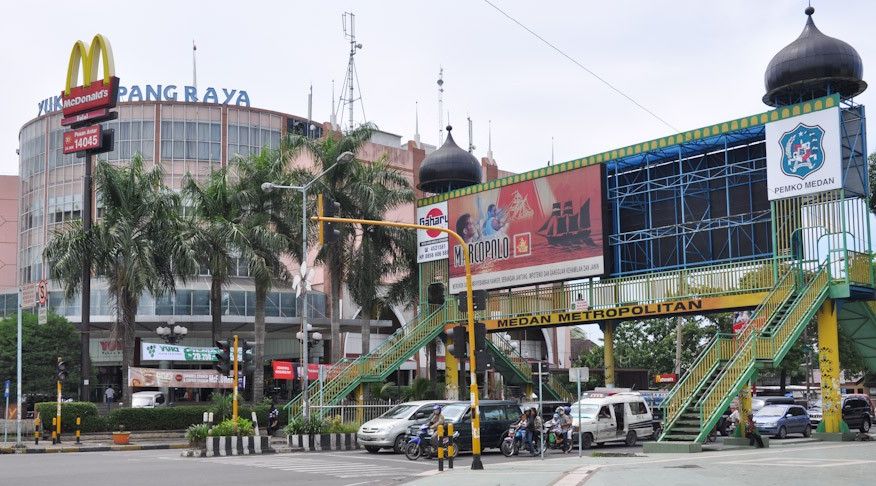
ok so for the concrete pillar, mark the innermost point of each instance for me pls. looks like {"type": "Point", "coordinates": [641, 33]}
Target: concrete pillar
{"type": "Point", "coordinates": [451, 376]}
{"type": "Point", "coordinates": [608, 350]}
{"type": "Point", "coordinates": [832, 425]}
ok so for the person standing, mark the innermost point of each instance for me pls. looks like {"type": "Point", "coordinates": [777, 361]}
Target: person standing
{"type": "Point", "coordinates": [751, 430]}
{"type": "Point", "coordinates": [273, 419]}
{"type": "Point", "coordinates": [109, 396]}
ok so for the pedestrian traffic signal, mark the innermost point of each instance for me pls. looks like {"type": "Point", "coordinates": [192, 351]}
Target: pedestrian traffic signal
{"type": "Point", "coordinates": [245, 365]}
{"type": "Point", "coordinates": [456, 339]}
{"type": "Point", "coordinates": [327, 207]}
{"type": "Point", "coordinates": [478, 297]}
{"type": "Point", "coordinates": [223, 362]}
{"type": "Point", "coordinates": [61, 369]}
{"type": "Point", "coordinates": [436, 293]}
{"type": "Point", "coordinates": [480, 336]}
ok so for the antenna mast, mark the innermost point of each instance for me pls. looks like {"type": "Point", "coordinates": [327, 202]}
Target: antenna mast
{"type": "Point", "coordinates": [440, 106]}
{"type": "Point", "coordinates": [352, 76]}
{"type": "Point", "coordinates": [471, 146]}
{"type": "Point", "coordinates": [417, 123]}
{"type": "Point", "coordinates": [194, 66]}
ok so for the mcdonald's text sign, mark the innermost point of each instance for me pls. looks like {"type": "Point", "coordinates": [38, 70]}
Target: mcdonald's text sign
{"type": "Point", "coordinates": [90, 98]}
{"type": "Point", "coordinates": [90, 101]}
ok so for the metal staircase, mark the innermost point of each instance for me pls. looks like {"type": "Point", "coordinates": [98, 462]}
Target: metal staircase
{"type": "Point", "coordinates": [697, 402]}
{"type": "Point", "coordinates": [514, 366]}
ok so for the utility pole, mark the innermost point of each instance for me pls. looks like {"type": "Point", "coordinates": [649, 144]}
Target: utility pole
{"type": "Point", "coordinates": [678, 336]}
{"type": "Point", "coordinates": [85, 328]}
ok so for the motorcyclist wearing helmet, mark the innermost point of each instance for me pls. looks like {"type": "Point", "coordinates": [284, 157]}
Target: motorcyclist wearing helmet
{"type": "Point", "coordinates": [435, 420]}
{"type": "Point", "coordinates": [565, 423]}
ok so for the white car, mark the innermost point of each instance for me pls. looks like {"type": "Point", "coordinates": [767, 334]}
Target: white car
{"type": "Point", "coordinates": [390, 429]}
{"type": "Point", "coordinates": [148, 399]}
{"type": "Point", "coordinates": [619, 417]}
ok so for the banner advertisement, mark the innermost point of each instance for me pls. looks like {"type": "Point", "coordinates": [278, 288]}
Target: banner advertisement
{"type": "Point", "coordinates": [432, 245]}
{"type": "Point", "coordinates": [535, 231]}
{"type": "Point", "coordinates": [106, 351]}
{"type": "Point", "coordinates": [804, 154]}
{"type": "Point", "coordinates": [172, 352]}
{"type": "Point", "coordinates": [152, 377]}
{"type": "Point", "coordinates": [312, 370]}
{"type": "Point", "coordinates": [283, 370]}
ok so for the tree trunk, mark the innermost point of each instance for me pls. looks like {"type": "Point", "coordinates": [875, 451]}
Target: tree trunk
{"type": "Point", "coordinates": [125, 331]}
{"type": "Point", "coordinates": [335, 277]}
{"type": "Point", "coordinates": [215, 309]}
{"type": "Point", "coordinates": [366, 329]}
{"type": "Point", "coordinates": [783, 380]}
{"type": "Point", "coordinates": [258, 374]}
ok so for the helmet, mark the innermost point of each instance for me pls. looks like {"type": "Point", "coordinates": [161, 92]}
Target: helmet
{"type": "Point", "coordinates": [556, 416]}
{"type": "Point", "coordinates": [436, 408]}
{"type": "Point", "coordinates": [561, 410]}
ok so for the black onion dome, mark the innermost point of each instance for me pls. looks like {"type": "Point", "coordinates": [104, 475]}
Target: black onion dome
{"type": "Point", "coordinates": [449, 168]}
{"type": "Point", "coordinates": [812, 66]}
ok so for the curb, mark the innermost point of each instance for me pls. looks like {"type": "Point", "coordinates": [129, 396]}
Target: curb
{"type": "Point", "coordinates": [116, 448]}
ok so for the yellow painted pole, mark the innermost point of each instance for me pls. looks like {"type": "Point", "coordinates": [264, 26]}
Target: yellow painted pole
{"type": "Point", "coordinates": [473, 388]}
{"type": "Point", "coordinates": [360, 403]}
{"type": "Point", "coordinates": [744, 409]}
{"type": "Point", "coordinates": [58, 413]}
{"type": "Point", "coordinates": [828, 363]}
{"type": "Point", "coordinates": [608, 353]}
{"type": "Point", "coordinates": [234, 393]}
{"type": "Point", "coordinates": [451, 375]}
{"type": "Point", "coordinates": [440, 433]}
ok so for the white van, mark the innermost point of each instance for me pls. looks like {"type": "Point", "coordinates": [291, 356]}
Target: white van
{"type": "Point", "coordinates": [612, 417]}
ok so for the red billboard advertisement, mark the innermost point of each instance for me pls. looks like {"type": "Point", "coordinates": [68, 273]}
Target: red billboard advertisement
{"type": "Point", "coordinates": [283, 370]}
{"type": "Point", "coordinates": [93, 96]}
{"type": "Point", "coordinates": [535, 231]}
{"type": "Point", "coordinates": [85, 138]}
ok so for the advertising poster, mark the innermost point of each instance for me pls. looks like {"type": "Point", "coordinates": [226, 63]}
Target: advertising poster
{"type": "Point", "coordinates": [151, 377]}
{"type": "Point", "coordinates": [173, 352]}
{"type": "Point", "coordinates": [535, 231]}
{"type": "Point", "coordinates": [432, 245]}
{"type": "Point", "coordinates": [804, 154]}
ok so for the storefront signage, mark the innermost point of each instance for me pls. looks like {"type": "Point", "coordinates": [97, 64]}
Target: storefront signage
{"type": "Point", "coordinates": [432, 244]}
{"type": "Point", "coordinates": [628, 312]}
{"type": "Point", "coordinates": [151, 377]}
{"type": "Point", "coordinates": [666, 378]}
{"type": "Point", "coordinates": [162, 92]}
{"type": "Point", "coordinates": [173, 352]}
{"type": "Point", "coordinates": [86, 138]}
{"type": "Point", "coordinates": [283, 370]}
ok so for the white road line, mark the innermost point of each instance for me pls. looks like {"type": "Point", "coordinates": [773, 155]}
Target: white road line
{"type": "Point", "coordinates": [577, 476]}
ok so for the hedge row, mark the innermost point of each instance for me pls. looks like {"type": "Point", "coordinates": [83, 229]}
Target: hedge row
{"type": "Point", "coordinates": [167, 418]}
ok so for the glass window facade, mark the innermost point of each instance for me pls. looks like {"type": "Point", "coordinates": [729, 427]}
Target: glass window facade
{"type": "Point", "coordinates": [249, 132]}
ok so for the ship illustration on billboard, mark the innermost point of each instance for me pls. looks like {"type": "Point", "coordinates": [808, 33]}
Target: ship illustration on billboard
{"type": "Point", "coordinates": [565, 227]}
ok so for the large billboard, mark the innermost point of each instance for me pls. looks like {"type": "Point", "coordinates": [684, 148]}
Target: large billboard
{"type": "Point", "coordinates": [540, 230]}
{"type": "Point", "coordinates": [432, 244]}
{"type": "Point", "coordinates": [804, 154]}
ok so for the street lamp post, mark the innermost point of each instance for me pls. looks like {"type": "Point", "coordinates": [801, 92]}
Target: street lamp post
{"type": "Point", "coordinates": [268, 187]}
{"type": "Point", "coordinates": [171, 334]}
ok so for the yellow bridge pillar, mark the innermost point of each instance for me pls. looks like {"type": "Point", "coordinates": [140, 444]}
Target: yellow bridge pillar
{"type": "Point", "coordinates": [608, 350]}
{"type": "Point", "coordinates": [360, 403]}
{"type": "Point", "coordinates": [832, 425]}
{"type": "Point", "coordinates": [451, 376]}
{"type": "Point", "coordinates": [744, 408]}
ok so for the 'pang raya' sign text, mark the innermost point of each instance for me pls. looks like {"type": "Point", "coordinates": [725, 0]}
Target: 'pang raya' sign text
{"type": "Point", "coordinates": [534, 231]}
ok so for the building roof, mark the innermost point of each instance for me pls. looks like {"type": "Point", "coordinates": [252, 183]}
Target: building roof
{"type": "Point", "coordinates": [449, 168]}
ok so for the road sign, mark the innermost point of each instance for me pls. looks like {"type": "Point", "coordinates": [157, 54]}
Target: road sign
{"type": "Point", "coordinates": [6, 385]}
{"type": "Point", "coordinates": [28, 295]}
{"type": "Point", "coordinates": [43, 292]}
{"type": "Point", "coordinates": [43, 315]}
{"type": "Point", "coordinates": [579, 374]}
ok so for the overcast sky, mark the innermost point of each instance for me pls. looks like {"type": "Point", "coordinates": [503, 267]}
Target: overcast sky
{"type": "Point", "coordinates": [691, 62]}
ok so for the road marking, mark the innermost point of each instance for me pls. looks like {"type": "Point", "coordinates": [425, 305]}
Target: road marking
{"type": "Point", "coordinates": [799, 462]}
{"type": "Point", "coordinates": [309, 465]}
{"type": "Point", "coordinates": [577, 476]}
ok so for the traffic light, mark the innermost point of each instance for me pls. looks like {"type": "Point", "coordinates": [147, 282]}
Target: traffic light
{"type": "Point", "coordinates": [436, 293]}
{"type": "Point", "coordinates": [483, 361]}
{"type": "Point", "coordinates": [480, 336]}
{"type": "Point", "coordinates": [245, 366]}
{"type": "Point", "coordinates": [478, 297]}
{"type": "Point", "coordinates": [223, 358]}
{"type": "Point", "coordinates": [61, 369]}
{"type": "Point", "coordinates": [456, 339]}
{"type": "Point", "coordinates": [327, 207]}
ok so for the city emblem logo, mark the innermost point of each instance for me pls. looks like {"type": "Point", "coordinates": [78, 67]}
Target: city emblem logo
{"type": "Point", "coordinates": [151, 350]}
{"type": "Point", "coordinates": [801, 150]}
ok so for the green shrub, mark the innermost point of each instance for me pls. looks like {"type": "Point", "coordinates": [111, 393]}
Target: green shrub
{"type": "Point", "coordinates": [335, 425]}
{"type": "Point", "coordinates": [197, 434]}
{"type": "Point", "coordinates": [163, 418]}
{"type": "Point", "coordinates": [87, 411]}
{"type": "Point", "coordinates": [226, 428]}
{"type": "Point", "coordinates": [310, 426]}
{"type": "Point", "coordinates": [221, 405]}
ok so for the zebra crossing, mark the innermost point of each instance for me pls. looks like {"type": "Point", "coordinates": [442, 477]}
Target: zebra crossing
{"type": "Point", "coordinates": [310, 465]}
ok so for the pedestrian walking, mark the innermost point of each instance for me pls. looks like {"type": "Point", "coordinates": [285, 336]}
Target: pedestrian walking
{"type": "Point", "coordinates": [751, 430]}
{"type": "Point", "coordinates": [109, 396]}
{"type": "Point", "coordinates": [273, 419]}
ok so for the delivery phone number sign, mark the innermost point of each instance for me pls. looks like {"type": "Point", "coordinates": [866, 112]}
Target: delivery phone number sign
{"type": "Point", "coordinates": [81, 139]}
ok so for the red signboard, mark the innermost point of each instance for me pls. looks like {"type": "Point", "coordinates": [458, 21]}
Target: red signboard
{"type": "Point", "coordinates": [94, 96]}
{"type": "Point", "coordinates": [99, 114]}
{"type": "Point", "coordinates": [283, 370]}
{"type": "Point", "coordinates": [535, 231]}
{"type": "Point", "coordinates": [666, 378]}
{"type": "Point", "coordinates": [80, 139]}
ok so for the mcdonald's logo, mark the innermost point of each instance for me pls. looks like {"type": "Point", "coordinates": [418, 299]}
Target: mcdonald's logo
{"type": "Point", "coordinates": [90, 101]}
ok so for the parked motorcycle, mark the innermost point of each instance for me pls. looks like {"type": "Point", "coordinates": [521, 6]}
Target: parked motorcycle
{"type": "Point", "coordinates": [420, 444]}
{"type": "Point", "coordinates": [512, 444]}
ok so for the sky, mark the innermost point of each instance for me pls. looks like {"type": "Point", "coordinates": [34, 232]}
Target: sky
{"type": "Point", "coordinates": [692, 63]}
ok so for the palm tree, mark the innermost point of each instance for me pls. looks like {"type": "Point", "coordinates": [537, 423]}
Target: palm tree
{"type": "Point", "coordinates": [265, 220]}
{"type": "Point", "coordinates": [337, 185]}
{"type": "Point", "coordinates": [377, 189]}
{"type": "Point", "coordinates": [137, 246]}
{"type": "Point", "coordinates": [213, 233]}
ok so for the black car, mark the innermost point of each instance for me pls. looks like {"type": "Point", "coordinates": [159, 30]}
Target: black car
{"type": "Point", "coordinates": [496, 417]}
{"type": "Point", "coordinates": [856, 410]}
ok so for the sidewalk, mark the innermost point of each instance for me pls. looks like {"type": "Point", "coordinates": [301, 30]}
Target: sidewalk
{"type": "Point", "coordinates": [565, 471]}
{"type": "Point", "coordinates": [98, 443]}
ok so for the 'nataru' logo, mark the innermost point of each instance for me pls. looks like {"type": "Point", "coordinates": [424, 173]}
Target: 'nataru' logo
{"type": "Point", "coordinates": [801, 150]}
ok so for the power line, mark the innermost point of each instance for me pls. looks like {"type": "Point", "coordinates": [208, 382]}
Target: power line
{"type": "Point", "coordinates": [560, 51]}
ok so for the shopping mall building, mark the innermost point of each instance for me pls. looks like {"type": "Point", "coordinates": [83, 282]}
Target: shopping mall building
{"type": "Point", "coordinates": [188, 137]}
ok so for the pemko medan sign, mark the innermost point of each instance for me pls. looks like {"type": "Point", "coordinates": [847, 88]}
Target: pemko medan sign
{"type": "Point", "coordinates": [88, 104]}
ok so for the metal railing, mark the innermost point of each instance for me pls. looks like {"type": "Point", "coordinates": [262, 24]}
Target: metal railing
{"type": "Point", "coordinates": [351, 411]}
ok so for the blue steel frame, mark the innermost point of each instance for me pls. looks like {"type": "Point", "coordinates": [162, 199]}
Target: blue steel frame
{"type": "Point", "coordinates": [681, 179]}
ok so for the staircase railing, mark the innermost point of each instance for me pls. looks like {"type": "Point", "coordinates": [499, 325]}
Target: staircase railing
{"type": "Point", "coordinates": [740, 367]}
{"type": "Point", "coordinates": [721, 348]}
{"type": "Point", "coordinates": [559, 388]}
{"type": "Point", "coordinates": [513, 356]}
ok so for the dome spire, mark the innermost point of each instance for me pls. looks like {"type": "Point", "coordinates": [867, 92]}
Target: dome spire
{"type": "Point", "coordinates": [448, 168]}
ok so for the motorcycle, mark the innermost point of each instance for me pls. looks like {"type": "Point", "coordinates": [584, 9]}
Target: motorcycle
{"type": "Point", "coordinates": [555, 438]}
{"type": "Point", "coordinates": [512, 444]}
{"type": "Point", "coordinates": [420, 444]}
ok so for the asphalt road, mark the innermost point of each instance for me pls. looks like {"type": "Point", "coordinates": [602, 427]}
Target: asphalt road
{"type": "Point", "coordinates": [166, 467]}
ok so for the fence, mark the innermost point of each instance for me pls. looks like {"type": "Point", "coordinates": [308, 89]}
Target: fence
{"type": "Point", "coordinates": [351, 411]}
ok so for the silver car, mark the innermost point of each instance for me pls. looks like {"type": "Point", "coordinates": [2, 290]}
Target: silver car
{"type": "Point", "coordinates": [390, 429]}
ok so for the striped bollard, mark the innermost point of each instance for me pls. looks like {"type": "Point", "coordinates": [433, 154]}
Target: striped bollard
{"type": "Point", "coordinates": [440, 433]}
{"type": "Point", "coordinates": [78, 426]}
